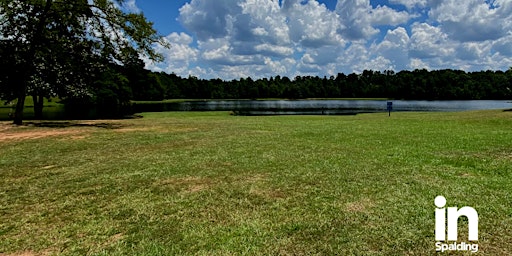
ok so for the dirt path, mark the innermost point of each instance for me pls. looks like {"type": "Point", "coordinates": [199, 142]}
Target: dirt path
{"type": "Point", "coordinates": [68, 129]}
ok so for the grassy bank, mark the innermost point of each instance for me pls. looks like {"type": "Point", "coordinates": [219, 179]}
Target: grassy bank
{"type": "Point", "coordinates": [209, 183]}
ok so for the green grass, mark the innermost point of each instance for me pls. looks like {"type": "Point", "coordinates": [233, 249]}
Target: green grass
{"type": "Point", "coordinates": [29, 102]}
{"type": "Point", "coordinates": [7, 108]}
{"type": "Point", "coordinates": [210, 183]}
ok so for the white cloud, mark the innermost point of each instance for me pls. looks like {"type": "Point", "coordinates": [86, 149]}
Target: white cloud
{"type": "Point", "coordinates": [473, 50]}
{"type": "Point", "coordinates": [429, 41]}
{"type": "Point", "coordinates": [208, 19]}
{"type": "Point", "coordinates": [178, 57]}
{"type": "Point", "coordinates": [383, 15]}
{"type": "Point", "coordinates": [129, 5]}
{"type": "Point", "coordinates": [259, 31]}
{"type": "Point", "coordinates": [181, 38]}
{"type": "Point", "coordinates": [379, 63]}
{"type": "Point", "coordinates": [359, 18]}
{"type": "Point", "coordinates": [220, 52]}
{"type": "Point", "coordinates": [410, 4]}
{"type": "Point", "coordinates": [259, 16]}
{"type": "Point", "coordinates": [324, 55]}
{"type": "Point", "coordinates": [503, 46]}
{"type": "Point", "coordinates": [132, 6]}
{"type": "Point", "coordinates": [418, 64]}
{"type": "Point", "coordinates": [352, 57]}
{"type": "Point", "coordinates": [312, 24]}
{"type": "Point", "coordinates": [394, 47]}
{"type": "Point", "coordinates": [355, 19]}
{"type": "Point", "coordinates": [261, 38]}
{"type": "Point", "coordinates": [278, 66]}
{"type": "Point", "coordinates": [283, 67]}
{"type": "Point", "coordinates": [473, 20]}
{"type": "Point", "coordinates": [274, 49]}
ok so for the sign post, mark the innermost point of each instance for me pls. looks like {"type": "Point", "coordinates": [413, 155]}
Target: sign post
{"type": "Point", "coordinates": [390, 107]}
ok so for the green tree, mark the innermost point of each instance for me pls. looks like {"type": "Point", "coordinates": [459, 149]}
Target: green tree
{"type": "Point", "coordinates": [57, 47]}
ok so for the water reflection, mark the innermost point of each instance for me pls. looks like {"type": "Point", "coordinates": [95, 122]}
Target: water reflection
{"type": "Point", "coordinates": [265, 107]}
{"type": "Point", "coordinates": [320, 107]}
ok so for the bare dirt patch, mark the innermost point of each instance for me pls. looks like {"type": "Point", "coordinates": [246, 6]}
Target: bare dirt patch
{"type": "Point", "coordinates": [28, 253]}
{"type": "Point", "coordinates": [359, 206]}
{"type": "Point", "coordinates": [268, 193]}
{"type": "Point", "coordinates": [187, 184]}
{"type": "Point", "coordinates": [114, 239]}
{"type": "Point", "coordinates": [74, 130]}
{"type": "Point", "coordinates": [4, 126]}
{"type": "Point", "coordinates": [466, 175]}
{"type": "Point", "coordinates": [133, 129]}
{"type": "Point", "coordinates": [253, 178]}
{"type": "Point", "coordinates": [157, 128]}
{"type": "Point", "coordinates": [259, 187]}
{"type": "Point", "coordinates": [505, 156]}
{"type": "Point", "coordinates": [34, 134]}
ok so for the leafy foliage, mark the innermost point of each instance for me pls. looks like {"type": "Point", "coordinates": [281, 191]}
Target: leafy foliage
{"type": "Point", "coordinates": [418, 84]}
{"type": "Point", "coordinates": [58, 48]}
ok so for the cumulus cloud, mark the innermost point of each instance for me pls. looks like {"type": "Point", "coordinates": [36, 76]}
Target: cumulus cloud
{"type": "Point", "coordinates": [410, 4]}
{"type": "Point", "coordinates": [428, 41]}
{"type": "Point", "coordinates": [208, 19]}
{"type": "Point", "coordinates": [473, 20]}
{"type": "Point", "coordinates": [394, 48]}
{"type": "Point", "coordinates": [473, 51]}
{"type": "Point", "coordinates": [261, 38]}
{"type": "Point", "coordinates": [178, 57]}
{"type": "Point", "coordinates": [359, 18]}
{"type": "Point", "coordinates": [418, 64]}
{"type": "Point", "coordinates": [312, 24]}
{"type": "Point", "coordinates": [383, 15]}
{"type": "Point", "coordinates": [220, 52]}
{"type": "Point", "coordinates": [268, 49]}
{"type": "Point", "coordinates": [355, 19]}
{"type": "Point", "coordinates": [503, 46]}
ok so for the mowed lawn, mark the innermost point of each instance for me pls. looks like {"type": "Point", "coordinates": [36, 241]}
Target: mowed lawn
{"type": "Point", "coordinates": [208, 183]}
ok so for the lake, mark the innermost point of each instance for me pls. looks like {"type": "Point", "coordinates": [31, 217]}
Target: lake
{"type": "Point", "coordinates": [274, 107]}
{"type": "Point", "coordinates": [321, 107]}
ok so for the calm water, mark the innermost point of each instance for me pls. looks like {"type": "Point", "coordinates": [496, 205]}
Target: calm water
{"type": "Point", "coordinates": [319, 107]}
{"type": "Point", "coordinates": [276, 107]}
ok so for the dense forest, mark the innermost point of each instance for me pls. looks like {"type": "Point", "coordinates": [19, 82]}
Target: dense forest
{"type": "Point", "coordinates": [418, 84]}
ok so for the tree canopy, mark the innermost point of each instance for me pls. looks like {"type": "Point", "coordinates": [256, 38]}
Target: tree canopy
{"type": "Point", "coordinates": [60, 48]}
{"type": "Point", "coordinates": [419, 84]}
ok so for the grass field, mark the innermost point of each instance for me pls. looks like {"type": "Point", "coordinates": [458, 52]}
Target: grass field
{"type": "Point", "coordinates": [7, 108]}
{"type": "Point", "coordinates": [214, 184]}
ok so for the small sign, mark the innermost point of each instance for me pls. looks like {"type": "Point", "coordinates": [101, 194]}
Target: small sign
{"type": "Point", "coordinates": [390, 107]}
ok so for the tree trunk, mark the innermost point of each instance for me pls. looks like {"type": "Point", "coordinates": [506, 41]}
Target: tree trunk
{"type": "Point", "coordinates": [27, 69]}
{"type": "Point", "coordinates": [20, 105]}
{"type": "Point", "coordinates": [38, 106]}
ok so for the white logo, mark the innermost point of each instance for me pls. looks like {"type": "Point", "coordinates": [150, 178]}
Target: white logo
{"type": "Point", "coordinates": [450, 221]}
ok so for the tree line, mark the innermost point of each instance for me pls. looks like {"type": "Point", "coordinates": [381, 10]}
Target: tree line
{"type": "Point", "coordinates": [420, 84]}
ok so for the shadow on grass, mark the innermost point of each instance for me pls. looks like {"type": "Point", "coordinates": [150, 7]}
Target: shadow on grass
{"type": "Point", "coordinates": [79, 123]}
{"type": "Point", "coordinates": [65, 124]}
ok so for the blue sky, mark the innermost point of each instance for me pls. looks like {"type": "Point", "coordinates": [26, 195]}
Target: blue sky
{"type": "Point", "coordinates": [230, 39]}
